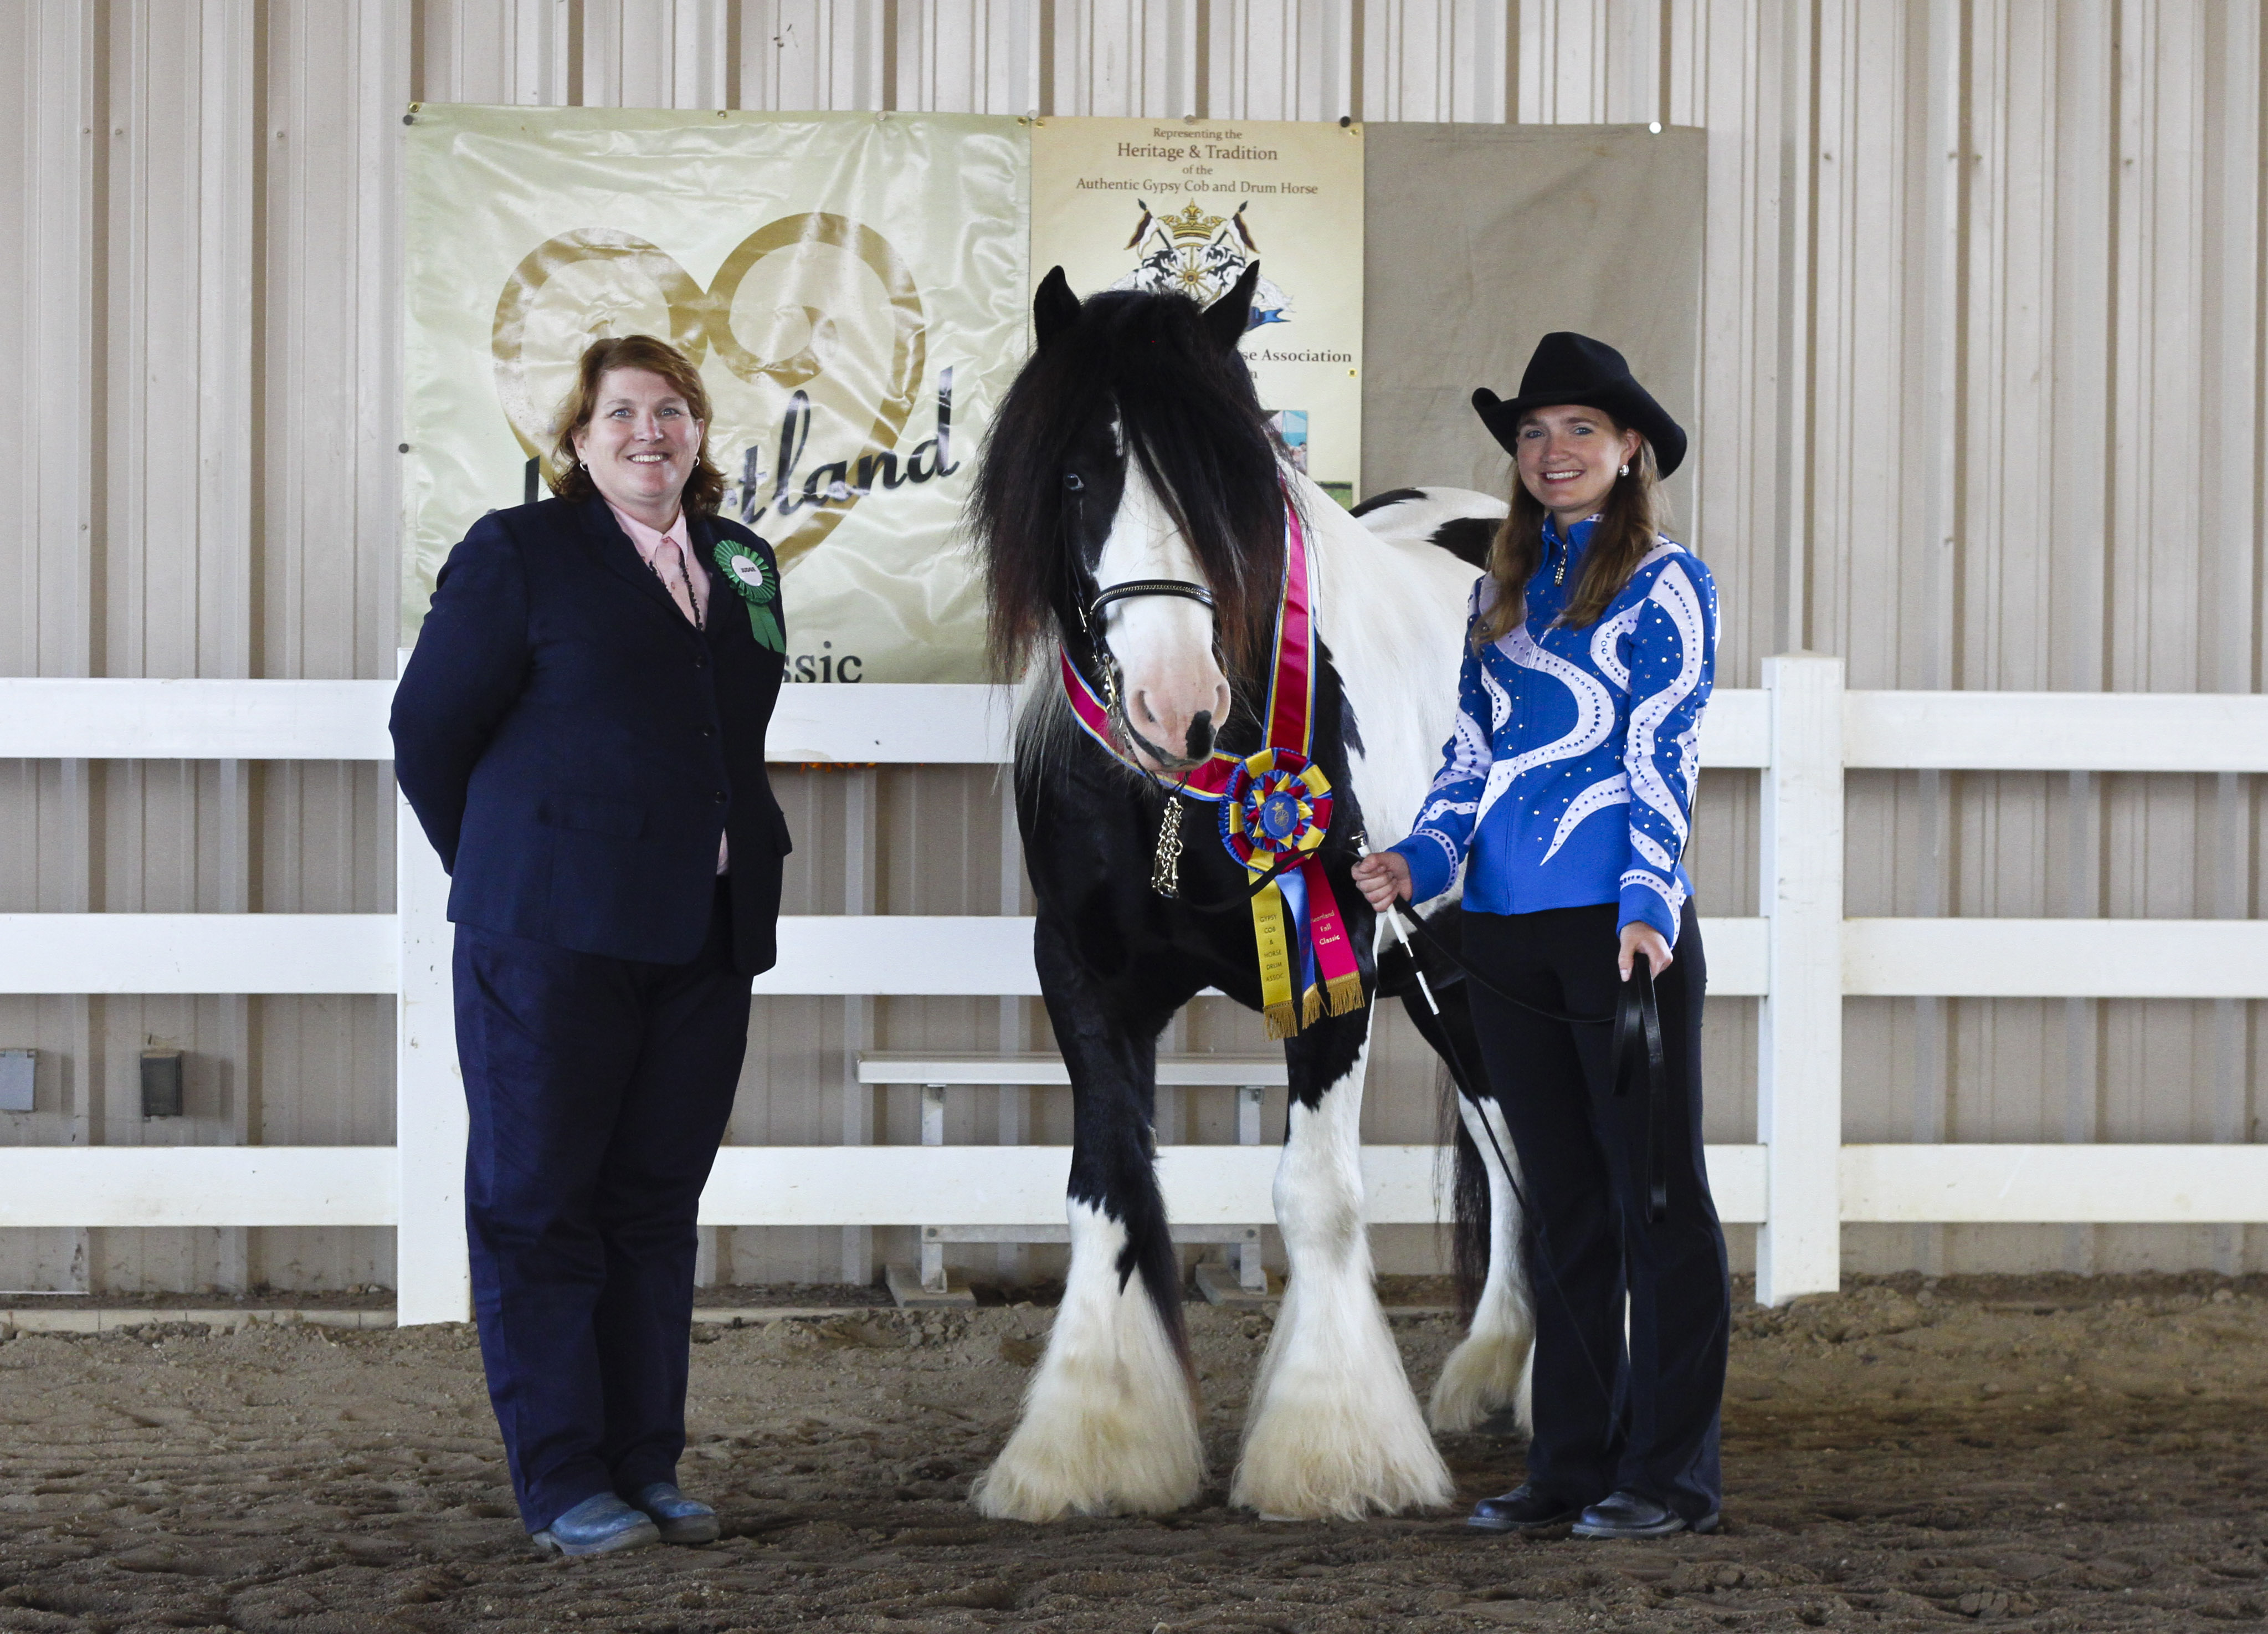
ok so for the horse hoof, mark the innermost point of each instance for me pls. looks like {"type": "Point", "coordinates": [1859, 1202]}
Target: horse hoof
{"type": "Point", "coordinates": [1340, 1460]}
{"type": "Point", "coordinates": [1335, 1433]}
{"type": "Point", "coordinates": [1040, 1490]}
{"type": "Point", "coordinates": [1109, 1426]}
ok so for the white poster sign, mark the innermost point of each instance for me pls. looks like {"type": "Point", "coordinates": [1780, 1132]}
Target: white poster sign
{"type": "Point", "coordinates": [1183, 205]}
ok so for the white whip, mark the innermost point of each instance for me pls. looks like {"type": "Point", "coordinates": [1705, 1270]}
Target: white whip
{"type": "Point", "coordinates": [1394, 919]}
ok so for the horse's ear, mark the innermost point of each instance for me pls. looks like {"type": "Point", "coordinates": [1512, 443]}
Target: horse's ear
{"type": "Point", "coordinates": [1228, 317]}
{"type": "Point", "coordinates": [1055, 308]}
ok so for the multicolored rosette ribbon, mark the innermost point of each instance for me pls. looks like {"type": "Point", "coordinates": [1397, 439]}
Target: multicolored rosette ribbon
{"type": "Point", "coordinates": [1278, 804]}
{"type": "Point", "coordinates": [757, 581]}
{"type": "Point", "coordinates": [1274, 813]}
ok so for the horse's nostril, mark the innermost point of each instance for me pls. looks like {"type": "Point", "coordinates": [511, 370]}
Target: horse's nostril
{"type": "Point", "coordinates": [1200, 739]}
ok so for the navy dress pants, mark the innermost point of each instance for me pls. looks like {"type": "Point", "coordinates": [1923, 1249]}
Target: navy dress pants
{"type": "Point", "coordinates": [1640, 1416]}
{"type": "Point", "coordinates": [599, 1090]}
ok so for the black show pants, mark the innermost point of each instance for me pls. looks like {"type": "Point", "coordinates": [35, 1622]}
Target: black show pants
{"type": "Point", "coordinates": [1639, 1417]}
{"type": "Point", "coordinates": [599, 1090]}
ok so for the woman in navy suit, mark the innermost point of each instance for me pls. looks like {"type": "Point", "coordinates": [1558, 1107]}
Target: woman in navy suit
{"type": "Point", "coordinates": [581, 734]}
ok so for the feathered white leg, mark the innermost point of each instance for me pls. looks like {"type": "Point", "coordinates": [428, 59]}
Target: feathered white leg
{"type": "Point", "coordinates": [1492, 1367]}
{"type": "Point", "coordinates": [1110, 1424]}
{"type": "Point", "coordinates": [1333, 1428]}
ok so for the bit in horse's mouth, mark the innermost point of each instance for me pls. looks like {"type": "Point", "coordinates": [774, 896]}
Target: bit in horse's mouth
{"type": "Point", "coordinates": [1165, 760]}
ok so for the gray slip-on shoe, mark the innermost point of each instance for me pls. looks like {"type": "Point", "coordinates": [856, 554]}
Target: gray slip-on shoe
{"type": "Point", "coordinates": [597, 1525]}
{"type": "Point", "coordinates": [679, 1519]}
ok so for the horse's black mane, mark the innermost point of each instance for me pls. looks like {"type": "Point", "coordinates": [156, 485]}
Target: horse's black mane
{"type": "Point", "coordinates": [1187, 411]}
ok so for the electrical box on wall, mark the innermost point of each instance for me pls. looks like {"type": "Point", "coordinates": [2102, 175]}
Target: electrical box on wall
{"type": "Point", "coordinates": [161, 1082]}
{"type": "Point", "coordinates": [17, 1067]}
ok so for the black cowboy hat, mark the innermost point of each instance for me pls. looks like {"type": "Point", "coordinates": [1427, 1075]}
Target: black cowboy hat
{"type": "Point", "coordinates": [1570, 368]}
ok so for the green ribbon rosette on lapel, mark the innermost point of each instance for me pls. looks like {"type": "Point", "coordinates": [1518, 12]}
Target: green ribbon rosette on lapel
{"type": "Point", "coordinates": [758, 582]}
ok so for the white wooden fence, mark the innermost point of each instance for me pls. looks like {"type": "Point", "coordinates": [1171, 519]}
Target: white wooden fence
{"type": "Point", "coordinates": [1799, 1182]}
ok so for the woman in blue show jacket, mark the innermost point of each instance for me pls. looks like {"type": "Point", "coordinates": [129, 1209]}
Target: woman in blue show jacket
{"type": "Point", "coordinates": [581, 734]}
{"type": "Point", "coordinates": [1565, 795]}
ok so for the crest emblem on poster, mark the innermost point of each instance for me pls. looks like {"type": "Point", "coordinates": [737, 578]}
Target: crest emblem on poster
{"type": "Point", "coordinates": [1190, 253]}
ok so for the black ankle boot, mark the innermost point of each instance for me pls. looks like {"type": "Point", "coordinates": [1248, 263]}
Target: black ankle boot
{"type": "Point", "coordinates": [1630, 1514]}
{"type": "Point", "coordinates": [1523, 1509]}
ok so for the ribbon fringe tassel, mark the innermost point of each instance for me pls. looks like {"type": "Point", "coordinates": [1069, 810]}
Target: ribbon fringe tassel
{"type": "Point", "coordinates": [1346, 994]}
{"type": "Point", "coordinates": [1342, 996]}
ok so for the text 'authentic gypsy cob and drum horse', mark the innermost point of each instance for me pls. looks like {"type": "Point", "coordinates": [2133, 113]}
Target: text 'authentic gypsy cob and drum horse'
{"type": "Point", "coordinates": [1226, 677]}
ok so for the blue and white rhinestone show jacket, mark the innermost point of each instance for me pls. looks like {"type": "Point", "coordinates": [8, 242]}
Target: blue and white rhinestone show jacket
{"type": "Point", "coordinates": [1570, 778]}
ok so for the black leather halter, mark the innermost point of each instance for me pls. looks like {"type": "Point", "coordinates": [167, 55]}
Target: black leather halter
{"type": "Point", "coordinates": [1091, 610]}
{"type": "Point", "coordinates": [1134, 588]}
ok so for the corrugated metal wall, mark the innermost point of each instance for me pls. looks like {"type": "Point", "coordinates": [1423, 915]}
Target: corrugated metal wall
{"type": "Point", "coordinates": [1980, 406]}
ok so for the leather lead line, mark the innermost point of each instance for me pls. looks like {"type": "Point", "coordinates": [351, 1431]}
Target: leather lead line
{"type": "Point", "coordinates": [1637, 1028]}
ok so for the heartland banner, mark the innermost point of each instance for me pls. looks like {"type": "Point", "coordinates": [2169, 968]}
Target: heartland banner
{"type": "Point", "coordinates": [1183, 204]}
{"type": "Point", "coordinates": [854, 287]}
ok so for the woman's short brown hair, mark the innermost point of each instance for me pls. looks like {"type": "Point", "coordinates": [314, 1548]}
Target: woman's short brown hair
{"type": "Point", "coordinates": [704, 489]}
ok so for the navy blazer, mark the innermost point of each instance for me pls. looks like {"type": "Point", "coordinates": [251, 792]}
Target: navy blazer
{"type": "Point", "coordinates": [573, 746]}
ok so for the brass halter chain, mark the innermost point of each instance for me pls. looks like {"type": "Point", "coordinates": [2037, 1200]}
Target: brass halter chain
{"type": "Point", "coordinates": [1166, 871]}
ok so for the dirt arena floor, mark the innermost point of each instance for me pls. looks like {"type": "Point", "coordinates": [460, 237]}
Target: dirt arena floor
{"type": "Point", "coordinates": [2038, 1452]}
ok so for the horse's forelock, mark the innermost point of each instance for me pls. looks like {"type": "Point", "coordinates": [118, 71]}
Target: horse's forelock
{"type": "Point", "coordinates": [1190, 417]}
{"type": "Point", "coordinates": [1187, 413]}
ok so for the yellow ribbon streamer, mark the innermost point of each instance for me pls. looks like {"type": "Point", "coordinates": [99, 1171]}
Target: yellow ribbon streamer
{"type": "Point", "coordinates": [1276, 1007]}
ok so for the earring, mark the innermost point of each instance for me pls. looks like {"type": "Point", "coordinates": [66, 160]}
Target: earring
{"type": "Point", "coordinates": [1626, 471]}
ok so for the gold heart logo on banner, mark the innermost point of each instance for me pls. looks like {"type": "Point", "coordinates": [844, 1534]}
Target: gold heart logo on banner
{"type": "Point", "coordinates": [701, 321]}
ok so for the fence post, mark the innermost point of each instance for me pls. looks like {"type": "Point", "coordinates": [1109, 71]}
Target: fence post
{"type": "Point", "coordinates": [432, 1274]}
{"type": "Point", "coordinates": [1800, 1076]}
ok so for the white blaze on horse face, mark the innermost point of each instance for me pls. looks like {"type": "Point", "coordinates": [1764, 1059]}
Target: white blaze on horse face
{"type": "Point", "coordinates": [1164, 645]}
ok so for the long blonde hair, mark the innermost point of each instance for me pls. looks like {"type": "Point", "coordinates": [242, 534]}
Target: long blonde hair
{"type": "Point", "coordinates": [1630, 524]}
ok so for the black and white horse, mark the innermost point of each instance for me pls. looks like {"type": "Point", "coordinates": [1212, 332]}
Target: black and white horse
{"type": "Point", "coordinates": [1131, 453]}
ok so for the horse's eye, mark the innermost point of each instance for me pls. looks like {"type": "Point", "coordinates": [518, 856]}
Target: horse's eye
{"type": "Point", "coordinates": [1073, 482]}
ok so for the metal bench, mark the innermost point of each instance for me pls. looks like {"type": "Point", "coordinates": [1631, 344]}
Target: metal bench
{"type": "Point", "coordinates": [1240, 1280]}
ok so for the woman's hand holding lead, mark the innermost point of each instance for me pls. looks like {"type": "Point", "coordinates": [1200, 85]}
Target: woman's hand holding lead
{"type": "Point", "coordinates": [1641, 937]}
{"type": "Point", "coordinates": [1381, 877]}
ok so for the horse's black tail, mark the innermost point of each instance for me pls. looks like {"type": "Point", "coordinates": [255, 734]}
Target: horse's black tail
{"type": "Point", "coordinates": [1470, 1205]}
{"type": "Point", "coordinates": [1452, 1036]}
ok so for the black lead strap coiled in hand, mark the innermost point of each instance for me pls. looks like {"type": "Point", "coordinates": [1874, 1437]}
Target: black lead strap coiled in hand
{"type": "Point", "coordinates": [1636, 1038]}
{"type": "Point", "coordinates": [1637, 1028]}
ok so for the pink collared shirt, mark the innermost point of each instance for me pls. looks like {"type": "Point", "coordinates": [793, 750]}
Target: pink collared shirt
{"type": "Point", "coordinates": [647, 540]}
